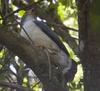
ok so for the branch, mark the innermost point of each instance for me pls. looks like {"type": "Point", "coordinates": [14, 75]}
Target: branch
{"type": "Point", "coordinates": [14, 86]}
{"type": "Point", "coordinates": [34, 57]}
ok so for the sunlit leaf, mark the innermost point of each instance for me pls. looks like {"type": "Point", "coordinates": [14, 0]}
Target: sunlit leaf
{"type": "Point", "coordinates": [61, 11]}
{"type": "Point", "coordinates": [1, 53]}
{"type": "Point", "coordinates": [21, 13]}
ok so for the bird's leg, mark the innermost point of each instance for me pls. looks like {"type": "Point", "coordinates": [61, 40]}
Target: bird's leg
{"type": "Point", "coordinates": [49, 62]}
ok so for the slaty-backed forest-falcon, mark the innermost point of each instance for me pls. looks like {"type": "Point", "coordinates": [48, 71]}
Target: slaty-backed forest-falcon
{"type": "Point", "coordinates": [42, 35]}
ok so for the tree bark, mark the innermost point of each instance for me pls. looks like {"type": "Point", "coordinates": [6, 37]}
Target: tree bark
{"type": "Point", "coordinates": [35, 57]}
{"type": "Point", "coordinates": [89, 34]}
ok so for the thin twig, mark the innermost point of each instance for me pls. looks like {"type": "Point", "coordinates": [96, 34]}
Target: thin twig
{"type": "Point", "coordinates": [49, 62]}
{"type": "Point", "coordinates": [36, 84]}
{"type": "Point", "coordinates": [59, 25]}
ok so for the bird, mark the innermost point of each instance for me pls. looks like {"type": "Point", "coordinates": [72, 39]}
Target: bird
{"type": "Point", "coordinates": [41, 35]}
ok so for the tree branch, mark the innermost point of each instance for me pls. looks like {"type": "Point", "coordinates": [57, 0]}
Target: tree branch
{"type": "Point", "coordinates": [14, 86]}
{"type": "Point", "coordinates": [34, 57]}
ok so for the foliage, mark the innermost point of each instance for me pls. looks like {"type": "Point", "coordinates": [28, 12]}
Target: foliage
{"type": "Point", "coordinates": [61, 15]}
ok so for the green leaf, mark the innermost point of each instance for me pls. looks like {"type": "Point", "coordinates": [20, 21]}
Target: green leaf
{"type": "Point", "coordinates": [21, 13]}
